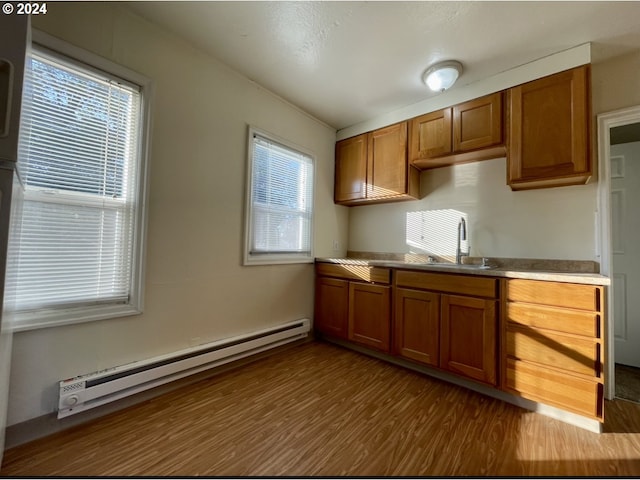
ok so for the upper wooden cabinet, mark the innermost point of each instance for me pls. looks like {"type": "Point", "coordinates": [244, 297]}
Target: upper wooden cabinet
{"type": "Point", "coordinates": [373, 168]}
{"type": "Point", "coordinates": [549, 131]}
{"type": "Point", "coordinates": [467, 132]}
{"type": "Point", "coordinates": [351, 169]}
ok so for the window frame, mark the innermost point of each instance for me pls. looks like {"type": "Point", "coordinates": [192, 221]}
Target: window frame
{"type": "Point", "coordinates": [274, 258]}
{"type": "Point", "coordinates": [51, 317]}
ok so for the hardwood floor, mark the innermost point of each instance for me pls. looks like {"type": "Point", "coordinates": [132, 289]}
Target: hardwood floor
{"type": "Point", "coordinates": [318, 409]}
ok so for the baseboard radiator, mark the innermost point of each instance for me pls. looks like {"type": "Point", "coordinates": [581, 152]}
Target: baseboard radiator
{"type": "Point", "coordinates": [92, 390]}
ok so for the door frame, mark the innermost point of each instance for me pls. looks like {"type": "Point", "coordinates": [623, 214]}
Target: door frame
{"type": "Point", "coordinates": [607, 121]}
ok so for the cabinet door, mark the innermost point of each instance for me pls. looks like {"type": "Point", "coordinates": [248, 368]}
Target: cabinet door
{"type": "Point", "coordinates": [331, 306]}
{"type": "Point", "coordinates": [369, 315]}
{"type": "Point", "coordinates": [351, 169]}
{"type": "Point", "coordinates": [477, 123]}
{"type": "Point", "coordinates": [468, 337]}
{"type": "Point", "coordinates": [430, 135]}
{"type": "Point", "coordinates": [387, 162]}
{"type": "Point", "coordinates": [549, 131]}
{"type": "Point", "coordinates": [417, 325]}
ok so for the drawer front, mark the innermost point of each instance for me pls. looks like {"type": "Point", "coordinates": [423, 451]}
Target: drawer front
{"type": "Point", "coordinates": [573, 354]}
{"type": "Point", "coordinates": [362, 273]}
{"type": "Point", "coordinates": [553, 388]}
{"type": "Point", "coordinates": [569, 295]}
{"type": "Point", "coordinates": [557, 319]}
{"type": "Point", "coordinates": [447, 283]}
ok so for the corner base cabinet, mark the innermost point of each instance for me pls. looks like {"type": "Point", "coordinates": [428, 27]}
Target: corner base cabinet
{"type": "Point", "coordinates": [353, 302]}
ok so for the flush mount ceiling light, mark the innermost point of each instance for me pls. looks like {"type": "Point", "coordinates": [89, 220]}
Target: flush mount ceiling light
{"type": "Point", "coordinates": [442, 76]}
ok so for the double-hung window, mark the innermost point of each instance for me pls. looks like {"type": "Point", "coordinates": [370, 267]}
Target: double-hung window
{"type": "Point", "coordinates": [78, 248]}
{"type": "Point", "coordinates": [279, 213]}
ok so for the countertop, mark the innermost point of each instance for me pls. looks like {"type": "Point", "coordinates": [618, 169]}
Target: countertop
{"type": "Point", "coordinates": [547, 270]}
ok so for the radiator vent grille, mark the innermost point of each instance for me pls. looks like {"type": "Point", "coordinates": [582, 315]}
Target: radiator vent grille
{"type": "Point", "coordinates": [98, 388]}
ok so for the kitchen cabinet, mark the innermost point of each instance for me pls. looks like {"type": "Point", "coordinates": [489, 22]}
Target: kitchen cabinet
{"type": "Point", "coordinates": [466, 132]}
{"type": "Point", "coordinates": [552, 344]}
{"type": "Point", "coordinates": [354, 302]}
{"type": "Point", "coordinates": [369, 315]}
{"type": "Point", "coordinates": [351, 169]}
{"type": "Point", "coordinates": [373, 168]}
{"type": "Point", "coordinates": [448, 321]}
{"type": "Point", "coordinates": [549, 131]}
{"type": "Point", "coordinates": [416, 326]}
{"type": "Point", "coordinates": [331, 306]}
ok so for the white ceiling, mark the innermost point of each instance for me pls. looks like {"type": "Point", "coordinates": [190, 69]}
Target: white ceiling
{"type": "Point", "coordinates": [347, 62]}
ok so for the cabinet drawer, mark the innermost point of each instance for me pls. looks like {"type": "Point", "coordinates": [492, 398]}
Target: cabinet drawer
{"type": "Point", "coordinates": [553, 388]}
{"type": "Point", "coordinates": [573, 354]}
{"type": "Point", "coordinates": [447, 283]}
{"type": "Point", "coordinates": [569, 295]}
{"type": "Point", "coordinates": [557, 319]}
{"type": "Point", "coordinates": [363, 273]}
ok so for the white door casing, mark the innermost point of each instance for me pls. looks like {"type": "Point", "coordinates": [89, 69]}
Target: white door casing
{"type": "Point", "coordinates": [606, 121]}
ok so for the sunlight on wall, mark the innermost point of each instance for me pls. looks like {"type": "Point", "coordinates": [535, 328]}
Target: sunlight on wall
{"type": "Point", "coordinates": [435, 232]}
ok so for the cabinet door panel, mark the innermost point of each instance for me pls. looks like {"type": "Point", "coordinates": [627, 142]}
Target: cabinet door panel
{"type": "Point", "coordinates": [417, 325]}
{"type": "Point", "coordinates": [549, 131]}
{"type": "Point", "coordinates": [430, 135]}
{"type": "Point", "coordinates": [468, 337]}
{"type": "Point", "coordinates": [351, 169]}
{"type": "Point", "coordinates": [331, 306]}
{"type": "Point", "coordinates": [369, 315]}
{"type": "Point", "coordinates": [387, 162]}
{"type": "Point", "coordinates": [477, 123]}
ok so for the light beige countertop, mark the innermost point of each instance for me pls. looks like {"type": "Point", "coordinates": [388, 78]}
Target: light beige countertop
{"type": "Point", "coordinates": [567, 271]}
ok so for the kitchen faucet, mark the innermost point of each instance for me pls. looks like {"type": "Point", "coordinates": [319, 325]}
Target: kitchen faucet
{"type": "Point", "coordinates": [462, 235]}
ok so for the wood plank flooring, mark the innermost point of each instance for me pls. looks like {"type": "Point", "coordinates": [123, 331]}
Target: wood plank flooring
{"type": "Point", "coordinates": [318, 409]}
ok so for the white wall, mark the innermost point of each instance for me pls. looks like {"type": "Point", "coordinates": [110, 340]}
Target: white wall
{"type": "Point", "coordinates": [195, 284]}
{"type": "Point", "coordinates": [556, 223]}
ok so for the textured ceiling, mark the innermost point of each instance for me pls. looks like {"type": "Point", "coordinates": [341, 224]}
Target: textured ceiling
{"type": "Point", "coordinates": [347, 62]}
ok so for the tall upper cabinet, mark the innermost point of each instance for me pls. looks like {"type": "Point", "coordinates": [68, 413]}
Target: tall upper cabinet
{"type": "Point", "coordinates": [549, 131]}
{"type": "Point", "coordinates": [373, 168]}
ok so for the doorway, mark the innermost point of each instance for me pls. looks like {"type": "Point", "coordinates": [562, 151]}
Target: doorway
{"type": "Point", "coordinates": [619, 226]}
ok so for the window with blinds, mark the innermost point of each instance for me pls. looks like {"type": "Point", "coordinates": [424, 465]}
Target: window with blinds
{"type": "Point", "coordinates": [280, 202]}
{"type": "Point", "coordinates": [79, 238]}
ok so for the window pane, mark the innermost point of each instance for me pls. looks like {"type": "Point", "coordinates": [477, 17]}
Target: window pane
{"type": "Point", "coordinates": [79, 149]}
{"type": "Point", "coordinates": [282, 198]}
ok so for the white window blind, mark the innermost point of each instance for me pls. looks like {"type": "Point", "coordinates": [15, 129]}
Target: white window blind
{"type": "Point", "coordinates": [79, 145]}
{"type": "Point", "coordinates": [281, 202]}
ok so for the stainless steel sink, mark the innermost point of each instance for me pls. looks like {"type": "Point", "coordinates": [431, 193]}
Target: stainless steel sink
{"type": "Point", "coordinates": [460, 266]}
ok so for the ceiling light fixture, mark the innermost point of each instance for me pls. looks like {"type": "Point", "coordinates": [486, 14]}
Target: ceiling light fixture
{"type": "Point", "coordinates": [442, 76]}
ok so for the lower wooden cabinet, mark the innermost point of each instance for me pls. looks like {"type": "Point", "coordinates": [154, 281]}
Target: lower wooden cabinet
{"type": "Point", "coordinates": [552, 344]}
{"type": "Point", "coordinates": [468, 337]}
{"type": "Point", "coordinates": [454, 332]}
{"type": "Point", "coordinates": [551, 334]}
{"type": "Point", "coordinates": [369, 315]}
{"type": "Point", "coordinates": [331, 306]}
{"type": "Point", "coordinates": [416, 326]}
{"type": "Point", "coordinates": [353, 302]}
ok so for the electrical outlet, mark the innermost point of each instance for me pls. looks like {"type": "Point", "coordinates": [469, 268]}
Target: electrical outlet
{"type": "Point", "coordinates": [336, 245]}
